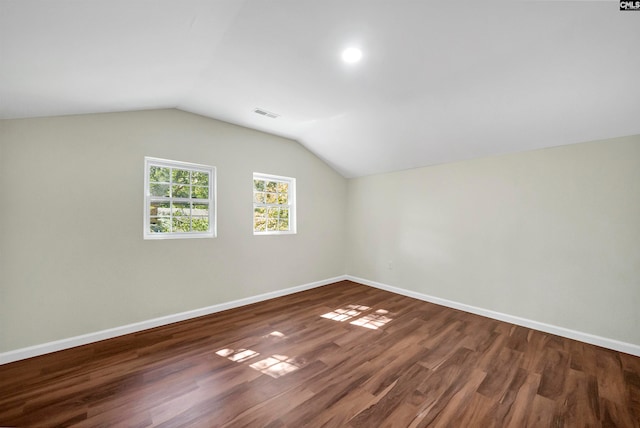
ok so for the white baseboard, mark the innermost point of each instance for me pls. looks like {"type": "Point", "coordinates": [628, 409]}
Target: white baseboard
{"type": "Point", "coordinates": [616, 345]}
{"type": "Point", "coordinates": [59, 345]}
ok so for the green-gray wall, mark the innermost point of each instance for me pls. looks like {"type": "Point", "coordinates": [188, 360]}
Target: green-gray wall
{"type": "Point", "coordinates": [72, 257]}
{"type": "Point", "coordinates": [550, 235]}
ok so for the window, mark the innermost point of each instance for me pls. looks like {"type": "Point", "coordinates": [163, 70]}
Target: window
{"type": "Point", "coordinates": [274, 204]}
{"type": "Point", "coordinates": [179, 200]}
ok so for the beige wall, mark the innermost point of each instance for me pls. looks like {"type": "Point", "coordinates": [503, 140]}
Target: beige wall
{"type": "Point", "coordinates": [550, 235]}
{"type": "Point", "coordinates": [73, 260]}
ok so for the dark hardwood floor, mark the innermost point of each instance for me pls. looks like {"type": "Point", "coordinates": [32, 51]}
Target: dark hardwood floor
{"type": "Point", "coordinates": [343, 355]}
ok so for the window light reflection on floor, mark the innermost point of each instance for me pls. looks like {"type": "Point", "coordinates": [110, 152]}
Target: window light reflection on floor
{"type": "Point", "coordinates": [275, 365]}
{"type": "Point", "coordinates": [371, 321]}
{"type": "Point", "coordinates": [346, 313]}
{"type": "Point", "coordinates": [239, 355]}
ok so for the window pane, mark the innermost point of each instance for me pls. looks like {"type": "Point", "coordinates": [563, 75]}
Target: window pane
{"type": "Point", "coordinates": [284, 213]}
{"type": "Point", "coordinates": [259, 224]}
{"type": "Point", "coordinates": [200, 224]}
{"type": "Point", "coordinates": [181, 209]}
{"type": "Point", "coordinates": [259, 197]}
{"type": "Point", "coordinates": [259, 212]}
{"type": "Point", "coordinates": [200, 192]}
{"type": "Point", "coordinates": [200, 178]}
{"type": "Point", "coordinates": [272, 186]}
{"type": "Point", "coordinates": [258, 185]}
{"type": "Point", "coordinates": [282, 198]}
{"type": "Point", "coordinates": [181, 224]}
{"type": "Point", "coordinates": [272, 224]}
{"type": "Point", "coordinates": [154, 228]}
{"type": "Point", "coordinates": [283, 187]}
{"type": "Point", "coordinates": [272, 198]}
{"type": "Point", "coordinates": [180, 191]}
{"type": "Point", "coordinates": [283, 225]}
{"type": "Point", "coordinates": [180, 176]}
{"type": "Point", "coordinates": [159, 174]}
{"type": "Point", "coordinates": [201, 210]}
{"type": "Point", "coordinates": [159, 225]}
{"type": "Point", "coordinates": [159, 190]}
{"type": "Point", "coordinates": [159, 209]}
{"type": "Point", "coordinates": [273, 212]}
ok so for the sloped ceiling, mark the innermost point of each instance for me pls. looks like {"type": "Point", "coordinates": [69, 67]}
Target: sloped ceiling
{"type": "Point", "coordinates": [438, 82]}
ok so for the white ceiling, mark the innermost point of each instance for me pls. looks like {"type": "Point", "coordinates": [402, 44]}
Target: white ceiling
{"type": "Point", "coordinates": [439, 81]}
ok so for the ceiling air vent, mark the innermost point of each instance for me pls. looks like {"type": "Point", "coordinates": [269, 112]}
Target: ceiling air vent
{"type": "Point", "coordinates": [265, 113]}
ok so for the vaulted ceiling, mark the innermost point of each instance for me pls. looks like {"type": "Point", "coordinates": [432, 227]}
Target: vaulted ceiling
{"type": "Point", "coordinates": [439, 81]}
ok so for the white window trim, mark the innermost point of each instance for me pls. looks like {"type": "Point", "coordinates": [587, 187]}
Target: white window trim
{"type": "Point", "coordinates": [213, 198]}
{"type": "Point", "coordinates": [291, 203]}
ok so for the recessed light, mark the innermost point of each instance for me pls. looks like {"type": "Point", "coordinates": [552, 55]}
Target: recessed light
{"type": "Point", "coordinates": [351, 55]}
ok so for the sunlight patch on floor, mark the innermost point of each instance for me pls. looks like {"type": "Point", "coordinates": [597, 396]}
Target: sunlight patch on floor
{"type": "Point", "coordinates": [239, 355]}
{"type": "Point", "coordinates": [275, 365]}
{"type": "Point", "coordinates": [371, 321]}
{"type": "Point", "coordinates": [374, 320]}
{"type": "Point", "coordinates": [346, 313]}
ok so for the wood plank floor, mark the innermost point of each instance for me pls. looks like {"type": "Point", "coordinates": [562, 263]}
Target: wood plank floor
{"type": "Point", "coordinates": [343, 355]}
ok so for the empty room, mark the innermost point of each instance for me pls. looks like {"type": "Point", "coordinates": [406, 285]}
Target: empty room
{"type": "Point", "coordinates": [295, 213]}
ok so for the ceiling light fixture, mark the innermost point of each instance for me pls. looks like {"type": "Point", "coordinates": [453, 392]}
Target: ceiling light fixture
{"type": "Point", "coordinates": [351, 55]}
